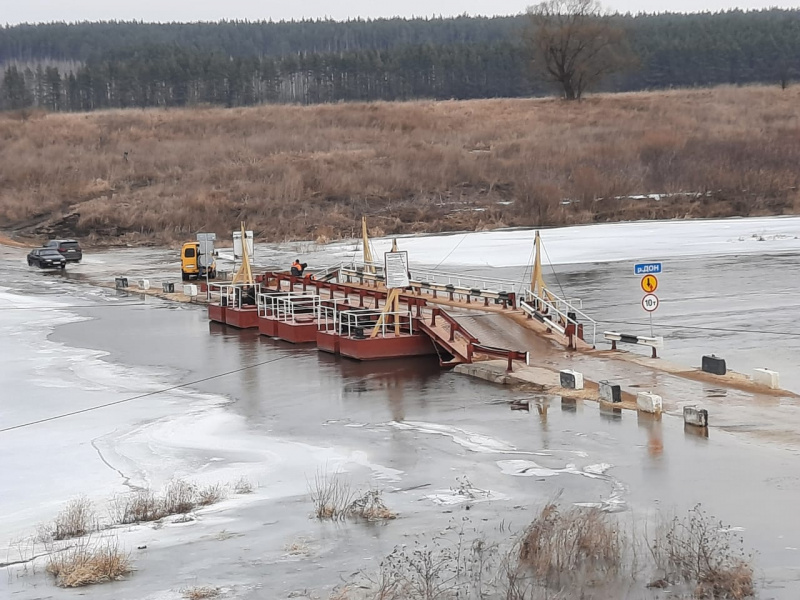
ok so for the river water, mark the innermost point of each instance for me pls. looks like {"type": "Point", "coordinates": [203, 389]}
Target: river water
{"type": "Point", "coordinates": [280, 415]}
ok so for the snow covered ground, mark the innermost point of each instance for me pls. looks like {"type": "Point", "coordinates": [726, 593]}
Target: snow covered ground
{"type": "Point", "coordinates": [607, 242]}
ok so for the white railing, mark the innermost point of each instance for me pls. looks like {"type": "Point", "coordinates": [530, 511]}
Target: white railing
{"type": "Point", "coordinates": [328, 316]}
{"type": "Point", "coordinates": [556, 311]}
{"type": "Point", "coordinates": [233, 295]}
{"type": "Point", "coordinates": [267, 301]}
{"type": "Point", "coordinates": [288, 308]}
{"type": "Point", "coordinates": [375, 270]}
{"type": "Point", "coordinates": [361, 320]}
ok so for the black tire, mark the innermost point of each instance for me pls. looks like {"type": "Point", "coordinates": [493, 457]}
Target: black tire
{"type": "Point", "coordinates": [64, 267]}
{"type": "Point", "coordinates": [184, 276]}
{"type": "Point", "coordinates": [212, 274]}
{"type": "Point", "coordinates": [30, 262]}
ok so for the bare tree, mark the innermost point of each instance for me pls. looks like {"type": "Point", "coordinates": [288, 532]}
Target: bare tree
{"type": "Point", "coordinates": [574, 44]}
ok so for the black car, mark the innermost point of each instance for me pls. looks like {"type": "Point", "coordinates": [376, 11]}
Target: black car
{"type": "Point", "coordinates": [69, 249]}
{"type": "Point", "coordinates": [46, 258]}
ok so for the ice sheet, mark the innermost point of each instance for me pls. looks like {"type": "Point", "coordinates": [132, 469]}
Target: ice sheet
{"type": "Point", "coordinates": [607, 242]}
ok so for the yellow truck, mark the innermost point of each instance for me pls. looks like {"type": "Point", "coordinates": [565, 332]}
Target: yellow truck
{"type": "Point", "coordinates": [197, 260]}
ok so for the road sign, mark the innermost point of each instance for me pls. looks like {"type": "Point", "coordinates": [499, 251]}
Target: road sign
{"type": "Point", "coordinates": [650, 302]}
{"type": "Point", "coordinates": [647, 268]}
{"type": "Point", "coordinates": [649, 283]}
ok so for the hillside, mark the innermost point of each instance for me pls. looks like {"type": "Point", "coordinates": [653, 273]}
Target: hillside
{"type": "Point", "coordinates": [144, 176]}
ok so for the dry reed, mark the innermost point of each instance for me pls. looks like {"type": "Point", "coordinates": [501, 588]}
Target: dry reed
{"type": "Point", "coordinates": [309, 172]}
{"type": "Point", "coordinates": [87, 562]}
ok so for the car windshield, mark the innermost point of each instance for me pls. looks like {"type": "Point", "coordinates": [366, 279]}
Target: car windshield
{"type": "Point", "coordinates": [68, 245]}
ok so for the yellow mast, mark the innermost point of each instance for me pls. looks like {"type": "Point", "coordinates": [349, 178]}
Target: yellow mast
{"type": "Point", "coordinates": [244, 274]}
{"type": "Point", "coordinates": [537, 279]}
{"type": "Point", "coordinates": [538, 286]}
{"type": "Point", "coordinates": [367, 249]}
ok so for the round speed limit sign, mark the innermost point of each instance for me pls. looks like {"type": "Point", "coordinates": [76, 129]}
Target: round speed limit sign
{"type": "Point", "coordinates": [650, 302]}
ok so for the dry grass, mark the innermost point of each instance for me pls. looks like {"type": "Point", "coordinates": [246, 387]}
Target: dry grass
{"type": "Point", "coordinates": [334, 499]}
{"type": "Point", "coordinates": [179, 497]}
{"type": "Point", "coordinates": [200, 592]}
{"type": "Point", "coordinates": [309, 172]}
{"type": "Point", "coordinates": [370, 506]}
{"type": "Point", "coordinates": [331, 495]}
{"type": "Point", "coordinates": [571, 545]}
{"type": "Point", "coordinates": [77, 519]}
{"type": "Point", "coordinates": [243, 486]}
{"type": "Point", "coordinates": [705, 554]}
{"type": "Point", "coordinates": [87, 562]}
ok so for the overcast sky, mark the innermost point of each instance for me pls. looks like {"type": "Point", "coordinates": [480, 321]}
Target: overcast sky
{"type": "Point", "coordinates": [32, 11]}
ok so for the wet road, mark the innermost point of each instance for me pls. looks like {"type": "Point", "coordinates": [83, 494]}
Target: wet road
{"type": "Point", "coordinates": [404, 427]}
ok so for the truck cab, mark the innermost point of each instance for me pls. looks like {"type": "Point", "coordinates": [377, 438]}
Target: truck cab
{"type": "Point", "coordinates": [196, 265]}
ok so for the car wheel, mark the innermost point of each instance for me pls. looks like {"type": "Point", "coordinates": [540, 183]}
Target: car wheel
{"type": "Point", "coordinates": [63, 266]}
{"type": "Point", "coordinates": [184, 277]}
{"type": "Point", "coordinates": [30, 262]}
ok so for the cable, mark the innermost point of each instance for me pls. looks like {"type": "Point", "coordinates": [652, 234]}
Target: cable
{"type": "Point", "coordinates": [550, 262]}
{"type": "Point", "coordinates": [756, 331]}
{"type": "Point", "coordinates": [528, 269]}
{"type": "Point", "coordinates": [71, 306]}
{"type": "Point", "coordinates": [463, 237]}
{"type": "Point", "coordinates": [140, 396]}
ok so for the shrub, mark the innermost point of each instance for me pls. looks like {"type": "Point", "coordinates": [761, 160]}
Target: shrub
{"type": "Point", "coordinates": [77, 519]}
{"type": "Point", "coordinates": [86, 562]}
{"type": "Point", "coordinates": [576, 544]}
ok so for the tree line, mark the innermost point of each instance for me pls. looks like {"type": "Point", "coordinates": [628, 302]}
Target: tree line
{"type": "Point", "coordinates": [123, 65]}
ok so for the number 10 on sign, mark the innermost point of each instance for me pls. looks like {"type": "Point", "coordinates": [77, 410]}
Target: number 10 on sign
{"type": "Point", "coordinates": [650, 302]}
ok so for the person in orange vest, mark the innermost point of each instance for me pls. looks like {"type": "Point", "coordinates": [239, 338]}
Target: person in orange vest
{"type": "Point", "coordinates": [297, 268]}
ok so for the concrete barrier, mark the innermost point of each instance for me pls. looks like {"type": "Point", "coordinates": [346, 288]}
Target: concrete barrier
{"type": "Point", "coordinates": [168, 287]}
{"type": "Point", "coordinates": [190, 290]}
{"type": "Point", "coordinates": [571, 380]}
{"type": "Point", "coordinates": [696, 417]}
{"type": "Point", "coordinates": [144, 284]}
{"type": "Point", "coordinates": [767, 378]}
{"type": "Point", "coordinates": [121, 282]}
{"type": "Point", "coordinates": [715, 365]}
{"type": "Point", "coordinates": [649, 403]}
{"type": "Point", "coordinates": [610, 392]}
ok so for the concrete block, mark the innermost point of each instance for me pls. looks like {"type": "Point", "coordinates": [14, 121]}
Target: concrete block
{"type": "Point", "coordinates": [714, 364]}
{"type": "Point", "coordinates": [610, 392]}
{"type": "Point", "coordinates": [190, 290]}
{"type": "Point", "coordinates": [121, 282]}
{"type": "Point", "coordinates": [767, 378]}
{"type": "Point", "coordinates": [168, 287]}
{"type": "Point", "coordinates": [144, 284]}
{"type": "Point", "coordinates": [697, 417]}
{"type": "Point", "coordinates": [571, 380]}
{"type": "Point", "coordinates": [647, 402]}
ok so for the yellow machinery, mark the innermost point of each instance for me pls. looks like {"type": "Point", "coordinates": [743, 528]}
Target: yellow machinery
{"type": "Point", "coordinates": [195, 264]}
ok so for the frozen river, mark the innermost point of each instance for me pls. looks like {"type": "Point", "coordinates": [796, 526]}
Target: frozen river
{"type": "Point", "coordinates": [403, 427]}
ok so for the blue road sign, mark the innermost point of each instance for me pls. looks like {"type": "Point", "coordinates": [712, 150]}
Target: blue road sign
{"type": "Point", "coordinates": [647, 268]}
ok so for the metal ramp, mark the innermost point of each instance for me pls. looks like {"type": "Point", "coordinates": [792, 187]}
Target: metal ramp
{"type": "Point", "coordinates": [447, 332]}
{"type": "Point", "coordinates": [450, 335]}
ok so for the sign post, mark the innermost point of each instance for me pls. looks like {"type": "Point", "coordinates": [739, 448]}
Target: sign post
{"type": "Point", "coordinates": [649, 285]}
